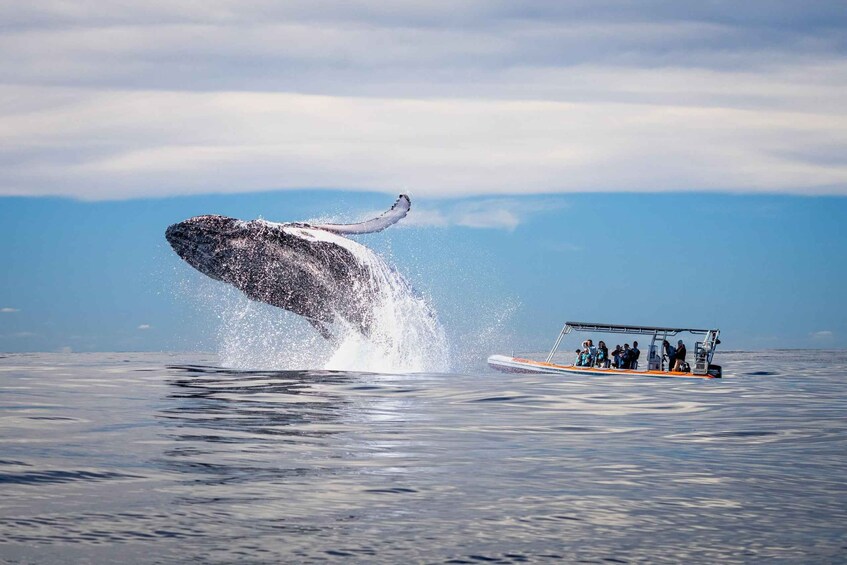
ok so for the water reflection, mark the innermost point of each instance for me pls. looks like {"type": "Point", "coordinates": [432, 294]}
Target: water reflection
{"type": "Point", "coordinates": [289, 403]}
{"type": "Point", "coordinates": [226, 427]}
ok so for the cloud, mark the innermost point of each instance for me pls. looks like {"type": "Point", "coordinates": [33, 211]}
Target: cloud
{"type": "Point", "coordinates": [498, 213]}
{"type": "Point", "coordinates": [161, 143]}
{"type": "Point", "coordinates": [145, 327]}
{"type": "Point", "coordinates": [823, 335]}
{"type": "Point", "coordinates": [425, 217]}
{"type": "Point", "coordinates": [501, 218]}
{"type": "Point", "coordinates": [8, 310]}
{"type": "Point", "coordinates": [21, 335]}
{"type": "Point", "coordinates": [106, 101]}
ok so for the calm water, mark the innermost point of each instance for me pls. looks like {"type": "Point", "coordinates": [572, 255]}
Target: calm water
{"type": "Point", "coordinates": [150, 458]}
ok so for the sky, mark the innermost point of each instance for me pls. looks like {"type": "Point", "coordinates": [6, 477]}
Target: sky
{"type": "Point", "coordinates": [653, 162]}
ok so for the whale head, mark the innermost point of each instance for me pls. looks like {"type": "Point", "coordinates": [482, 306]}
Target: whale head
{"type": "Point", "coordinates": [205, 243]}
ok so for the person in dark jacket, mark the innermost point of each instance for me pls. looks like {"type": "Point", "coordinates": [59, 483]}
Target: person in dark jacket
{"type": "Point", "coordinates": [602, 355]}
{"type": "Point", "coordinates": [634, 354]}
{"type": "Point", "coordinates": [625, 356]}
{"type": "Point", "coordinates": [668, 351]}
{"type": "Point", "coordinates": [679, 356]}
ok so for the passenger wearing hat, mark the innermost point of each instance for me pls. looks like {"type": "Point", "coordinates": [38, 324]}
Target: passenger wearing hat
{"type": "Point", "coordinates": [679, 356]}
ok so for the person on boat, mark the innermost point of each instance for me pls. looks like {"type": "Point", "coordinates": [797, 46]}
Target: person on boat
{"type": "Point", "coordinates": [592, 352]}
{"type": "Point", "coordinates": [625, 357]}
{"type": "Point", "coordinates": [668, 352]}
{"type": "Point", "coordinates": [602, 355]}
{"type": "Point", "coordinates": [585, 358]}
{"type": "Point", "coordinates": [679, 356]}
{"type": "Point", "coordinates": [634, 354]}
{"type": "Point", "coordinates": [581, 354]}
{"type": "Point", "coordinates": [578, 360]}
{"type": "Point", "coordinates": [616, 356]}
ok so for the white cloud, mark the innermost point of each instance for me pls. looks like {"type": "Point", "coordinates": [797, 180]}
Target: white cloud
{"type": "Point", "coordinates": [505, 219]}
{"type": "Point", "coordinates": [8, 310]}
{"type": "Point", "coordinates": [129, 144]}
{"type": "Point", "coordinates": [145, 327]}
{"type": "Point", "coordinates": [423, 217]}
{"type": "Point", "coordinates": [103, 100]}
{"type": "Point", "coordinates": [823, 335]}
{"type": "Point", "coordinates": [496, 213]}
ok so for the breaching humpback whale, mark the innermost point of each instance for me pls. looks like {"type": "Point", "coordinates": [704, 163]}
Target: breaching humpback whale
{"type": "Point", "coordinates": [308, 269]}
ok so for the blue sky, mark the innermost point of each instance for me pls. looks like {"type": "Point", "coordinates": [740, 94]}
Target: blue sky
{"type": "Point", "coordinates": [658, 162]}
{"type": "Point", "coordinates": [768, 270]}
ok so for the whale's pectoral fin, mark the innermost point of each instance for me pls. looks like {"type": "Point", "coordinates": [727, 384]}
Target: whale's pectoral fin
{"type": "Point", "coordinates": [322, 329]}
{"type": "Point", "coordinates": [391, 216]}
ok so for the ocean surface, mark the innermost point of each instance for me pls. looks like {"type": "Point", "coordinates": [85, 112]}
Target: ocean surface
{"type": "Point", "coordinates": [167, 458]}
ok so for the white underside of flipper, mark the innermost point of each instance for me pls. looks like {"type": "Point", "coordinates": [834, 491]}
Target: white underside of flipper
{"type": "Point", "coordinates": [390, 217]}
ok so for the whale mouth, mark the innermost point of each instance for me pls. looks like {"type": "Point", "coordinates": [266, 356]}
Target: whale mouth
{"type": "Point", "coordinates": [183, 238]}
{"type": "Point", "coordinates": [198, 240]}
{"type": "Point", "coordinates": [199, 230]}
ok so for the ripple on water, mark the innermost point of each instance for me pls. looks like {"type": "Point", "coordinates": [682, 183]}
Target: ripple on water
{"type": "Point", "coordinates": [183, 461]}
{"type": "Point", "coordinates": [60, 476]}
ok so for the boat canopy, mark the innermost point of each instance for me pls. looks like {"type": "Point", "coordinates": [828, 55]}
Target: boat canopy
{"type": "Point", "coordinates": [618, 329]}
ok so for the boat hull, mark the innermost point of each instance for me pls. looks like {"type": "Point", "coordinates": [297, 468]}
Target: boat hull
{"type": "Point", "coordinates": [508, 364]}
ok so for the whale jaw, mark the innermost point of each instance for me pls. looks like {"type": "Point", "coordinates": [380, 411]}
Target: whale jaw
{"type": "Point", "coordinates": [206, 243]}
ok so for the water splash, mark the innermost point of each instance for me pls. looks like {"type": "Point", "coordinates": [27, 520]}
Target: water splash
{"type": "Point", "coordinates": [489, 332]}
{"type": "Point", "coordinates": [406, 335]}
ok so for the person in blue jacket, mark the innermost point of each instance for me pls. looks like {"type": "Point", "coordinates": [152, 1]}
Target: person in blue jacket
{"type": "Point", "coordinates": [583, 354]}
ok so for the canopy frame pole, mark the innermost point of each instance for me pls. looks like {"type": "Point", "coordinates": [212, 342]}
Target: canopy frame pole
{"type": "Point", "coordinates": [565, 330]}
{"type": "Point", "coordinates": [651, 351]}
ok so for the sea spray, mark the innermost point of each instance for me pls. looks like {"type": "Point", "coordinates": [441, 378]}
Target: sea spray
{"type": "Point", "coordinates": [486, 331]}
{"type": "Point", "coordinates": [405, 334]}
